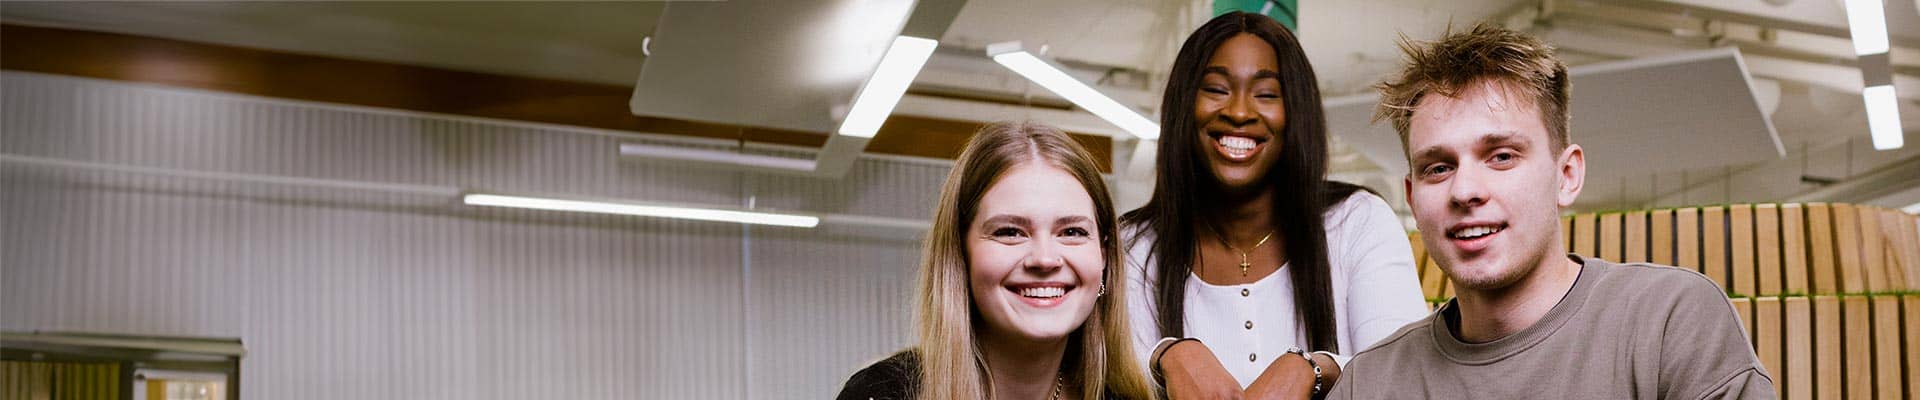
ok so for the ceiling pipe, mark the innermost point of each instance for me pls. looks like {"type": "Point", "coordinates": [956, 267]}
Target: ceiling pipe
{"type": "Point", "coordinates": [1874, 184]}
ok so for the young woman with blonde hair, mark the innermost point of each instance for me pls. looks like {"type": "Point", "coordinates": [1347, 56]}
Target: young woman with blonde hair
{"type": "Point", "coordinates": [1021, 289]}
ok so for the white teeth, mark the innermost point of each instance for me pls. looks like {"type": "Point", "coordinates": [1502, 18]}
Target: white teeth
{"type": "Point", "coordinates": [1237, 143]}
{"type": "Point", "coordinates": [1475, 232]}
{"type": "Point", "coordinates": [1044, 292]}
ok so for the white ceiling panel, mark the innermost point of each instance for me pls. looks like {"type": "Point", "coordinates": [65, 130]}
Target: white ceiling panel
{"type": "Point", "coordinates": [782, 64]}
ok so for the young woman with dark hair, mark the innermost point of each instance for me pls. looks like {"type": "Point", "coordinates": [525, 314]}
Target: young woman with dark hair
{"type": "Point", "coordinates": [1245, 254]}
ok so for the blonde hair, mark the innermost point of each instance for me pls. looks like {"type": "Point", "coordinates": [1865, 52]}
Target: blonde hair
{"type": "Point", "coordinates": [951, 365]}
{"type": "Point", "coordinates": [1521, 64]}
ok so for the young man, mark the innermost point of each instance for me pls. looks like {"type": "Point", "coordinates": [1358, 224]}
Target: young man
{"type": "Point", "coordinates": [1483, 115]}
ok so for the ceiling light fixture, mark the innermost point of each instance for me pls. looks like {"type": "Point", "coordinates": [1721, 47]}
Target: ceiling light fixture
{"type": "Point", "coordinates": [1867, 20]}
{"type": "Point", "coordinates": [889, 81]}
{"type": "Point", "coordinates": [1056, 80]}
{"type": "Point", "coordinates": [702, 214]}
{"type": "Point", "coordinates": [1883, 117]}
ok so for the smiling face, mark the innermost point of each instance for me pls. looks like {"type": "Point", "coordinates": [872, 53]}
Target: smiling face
{"type": "Point", "coordinates": [1486, 185]}
{"type": "Point", "coordinates": [1034, 255]}
{"type": "Point", "coordinates": [1240, 113]}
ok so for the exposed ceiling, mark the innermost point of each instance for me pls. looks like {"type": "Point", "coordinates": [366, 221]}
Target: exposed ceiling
{"type": "Point", "coordinates": [1801, 71]}
{"type": "Point", "coordinates": [596, 42]}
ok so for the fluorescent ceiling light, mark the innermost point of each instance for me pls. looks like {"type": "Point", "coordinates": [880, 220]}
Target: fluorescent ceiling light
{"type": "Point", "coordinates": [702, 214]}
{"type": "Point", "coordinates": [883, 90]}
{"type": "Point", "coordinates": [1058, 82]}
{"type": "Point", "coordinates": [1883, 117]}
{"type": "Point", "coordinates": [1911, 208]}
{"type": "Point", "coordinates": [1868, 21]}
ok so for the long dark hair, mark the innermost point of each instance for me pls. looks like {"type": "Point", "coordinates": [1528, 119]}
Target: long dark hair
{"type": "Point", "coordinates": [1171, 214]}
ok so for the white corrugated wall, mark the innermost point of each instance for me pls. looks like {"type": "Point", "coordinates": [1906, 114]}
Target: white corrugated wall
{"type": "Point", "coordinates": [341, 293]}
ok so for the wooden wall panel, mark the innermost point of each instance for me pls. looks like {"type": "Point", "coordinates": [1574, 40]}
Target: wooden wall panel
{"type": "Point", "coordinates": [1713, 245]}
{"type": "Point", "coordinates": [1767, 341]}
{"type": "Point", "coordinates": [1741, 264]}
{"type": "Point", "coordinates": [1909, 251]}
{"type": "Point", "coordinates": [1896, 244]}
{"type": "Point", "coordinates": [1636, 245]}
{"type": "Point", "coordinates": [1793, 248]}
{"type": "Point", "coordinates": [1585, 231]}
{"type": "Point", "coordinates": [1798, 375]}
{"type": "Point", "coordinates": [1887, 356]}
{"type": "Point", "coordinates": [1846, 245]}
{"type": "Point", "coordinates": [1826, 278]}
{"type": "Point", "coordinates": [1687, 231]}
{"type": "Point", "coordinates": [1766, 232]}
{"type": "Point", "coordinates": [1661, 223]}
{"type": "Point", "coordinates": [1873, 257]}
{"type": "Point", "coordinates": [1912, 311]}
{"type": "Point", "coordinates": [1611, 244]}
{"type": "Point", "coordinates": [1857, 314]}
{"type": "Point", "coordinates": [1829, 380]}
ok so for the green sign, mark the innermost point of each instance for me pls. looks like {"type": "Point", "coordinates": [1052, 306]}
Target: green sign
{"type": "Point", "coordinates": [1285, 11]}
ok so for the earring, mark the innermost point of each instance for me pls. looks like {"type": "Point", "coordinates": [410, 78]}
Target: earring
{"type": "Point", "coordinates": [1103, 283]}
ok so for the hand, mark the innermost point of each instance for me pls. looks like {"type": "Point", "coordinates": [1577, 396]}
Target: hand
{"type": "Point", "coordinates": [1290, 377]}
{"type": "Point", "coordinates": [1191, 372]}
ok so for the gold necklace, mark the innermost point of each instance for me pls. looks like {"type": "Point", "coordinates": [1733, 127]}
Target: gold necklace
{"type": "Point", "coordinates": [1244, 264]}
{"type": "Point", "coordinates": [1058, 382]}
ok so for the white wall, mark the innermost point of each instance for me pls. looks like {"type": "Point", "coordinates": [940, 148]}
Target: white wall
{"type": "Point", "coordinates": [341, 293]}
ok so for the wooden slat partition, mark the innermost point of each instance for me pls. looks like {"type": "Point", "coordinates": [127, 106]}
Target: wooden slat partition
{"type": "Point", "coordinates": [1793, 248]}
{"type": "Point", "coordinates": [1585, 228]}
{"type": "Point", "coordinates": [1912, 327]}
{"type": "Point", "coordinates": [1662, 223]}
{"type": "Point", "coordinates": [1857, 317]}
{"type": "Point", "coordinates": [1846, 244]}
{"type": "Point", "coordinates": [1755, 250]}
{"type": "Point", "coordinates": [1873, 257]}
{"type": "Point", "coordinates": [1610, 238]}
{"type": "Point", "coordinates": [1766, 235]}
{"type": "Point", "coordinates": [1826, 279]}
{"type": "Point", "coordinates": [1636, 246]}
{"type": "Point", "coordinates": [1890, 236]}
{"type": "Point", "coordinates": [1909, 257]}
{"type": "Point", "coordinates": [1713, 242]}
{"type": "Point", "coordinates": [1886, 347]}
{"type": "Point", "coordinates": [1687, 228]}
{"type": "Point", "coordinates": [1741, 264]}
{"type": "Point", "coordinates": [1828, 379]}
{"type": "Point", "coordinates": [1766, 339]}
{"type": "Point", "coordinates": [1798, 375]}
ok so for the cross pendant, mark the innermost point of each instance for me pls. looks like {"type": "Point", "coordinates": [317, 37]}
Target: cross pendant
{"type": "Point", "coordinates": [1243, 265]}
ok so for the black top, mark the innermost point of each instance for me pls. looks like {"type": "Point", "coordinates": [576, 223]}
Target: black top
{"type": "Point", "coordinates": [894, 378]}
{"type": "Point", "coordinates": [891, 379]}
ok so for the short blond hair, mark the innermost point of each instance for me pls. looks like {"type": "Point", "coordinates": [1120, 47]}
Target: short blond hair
{"type": "Point", "coordinates": [1521, 64]}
